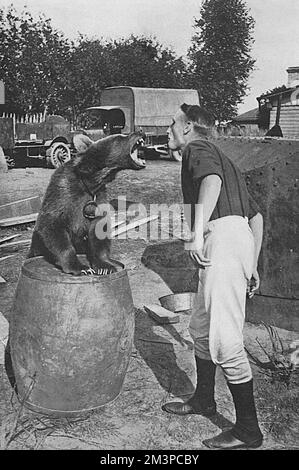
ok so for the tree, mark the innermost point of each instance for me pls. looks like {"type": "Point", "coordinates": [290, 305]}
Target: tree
{"type": "Point", "coordinates": [220, 62]}
{"type": "Point", "coordinates": [33, 57]}
{"type": "Point", "coordinates": [43, 70]}
{"type": "Point", "coordinates": [144, 62]}
{"type": "Point", "coordinates": [135, 61]}
{"type": "Point", "coordinates": [87, 73]}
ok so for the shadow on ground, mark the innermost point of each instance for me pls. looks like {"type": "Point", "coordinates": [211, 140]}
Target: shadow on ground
{"type": "Point", "coordinates": [171, 262]}
{"type": "Point", "coordinates": [161, 358]}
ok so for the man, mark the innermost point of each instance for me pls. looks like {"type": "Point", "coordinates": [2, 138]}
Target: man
{"type": "Point", "coordinates": [226, 248]}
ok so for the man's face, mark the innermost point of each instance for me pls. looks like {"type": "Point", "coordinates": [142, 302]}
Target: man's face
{"type": "Point", "coordinates": [176, 131]}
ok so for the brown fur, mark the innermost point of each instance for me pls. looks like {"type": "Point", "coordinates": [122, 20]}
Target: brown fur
{"type": "Point", "coordinates": [61, 231]}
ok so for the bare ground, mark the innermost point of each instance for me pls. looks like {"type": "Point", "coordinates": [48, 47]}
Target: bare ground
{"type": "Point", "coordinates": [162, 362]}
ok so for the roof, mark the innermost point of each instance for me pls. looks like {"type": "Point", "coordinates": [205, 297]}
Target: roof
{"type": "Point", "coordinates": [250, 117]}
{"type": "Point", "coordinates": [145, 90]}
{"type": "Point", "coordinates": [270, 94]}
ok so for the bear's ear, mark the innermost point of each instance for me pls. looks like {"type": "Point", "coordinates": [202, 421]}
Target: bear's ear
{"type": "Point", "coordinates": [82, 142]}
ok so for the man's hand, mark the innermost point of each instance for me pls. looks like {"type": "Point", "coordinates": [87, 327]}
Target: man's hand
{"type": "Point", "coordinates": [195, 249]}
{"type": "Point", "coordinates": [254, 284]}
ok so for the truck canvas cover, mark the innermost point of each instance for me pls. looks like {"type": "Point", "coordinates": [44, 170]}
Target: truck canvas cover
{"type": "Point", "coordinates": [151, 106]}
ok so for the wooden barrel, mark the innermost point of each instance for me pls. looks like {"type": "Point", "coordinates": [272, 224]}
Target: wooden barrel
{"type": "Point", "coordinates": [70, 338]}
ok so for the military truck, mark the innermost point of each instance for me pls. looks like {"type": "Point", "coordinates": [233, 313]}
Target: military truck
{"type": "Point", "coordinates": [33, 138]}
{"type": "Point", "coordinates": [124, 109]}
{"type": "Point", "coordinates": [48, 141]}
{"type": "Point", "coordinates": [121, 109]}
{"type": "Point", "coordinates": [43, 143]}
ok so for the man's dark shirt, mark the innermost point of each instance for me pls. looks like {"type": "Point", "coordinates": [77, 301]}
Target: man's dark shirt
{"type": "Point", "coordinates": [202, 158]}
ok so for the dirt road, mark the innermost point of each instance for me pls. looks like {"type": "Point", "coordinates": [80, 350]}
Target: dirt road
{"type": "Point", "coordinates": [162, 363]}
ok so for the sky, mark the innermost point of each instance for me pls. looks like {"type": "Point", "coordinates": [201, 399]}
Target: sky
{"type": "Point", "coordinates": [276, 32]}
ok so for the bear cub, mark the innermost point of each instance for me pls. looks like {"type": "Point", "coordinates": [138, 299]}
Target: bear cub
{"type": "Point", "coordinates": [66, 224]}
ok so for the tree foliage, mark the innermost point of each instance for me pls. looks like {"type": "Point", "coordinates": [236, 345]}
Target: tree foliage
{"type": "Point", "coordinates": [87, 73]}
{"type": "Point", "coordinates": [44, 70]}
{"type": "Point", "coordinates": [144, 62]}
{"type": "Point", "coordinates": [32, 61]}
{"type": "Point", "coordinates": [135, 61]}
{"type": "Point", "coordinates": [220, 61]}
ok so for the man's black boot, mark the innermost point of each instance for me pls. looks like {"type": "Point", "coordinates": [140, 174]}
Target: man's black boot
{"type": "Point", "coordinates": [246, 432]}
{"type": "Point", "coordinates": [202, 402]}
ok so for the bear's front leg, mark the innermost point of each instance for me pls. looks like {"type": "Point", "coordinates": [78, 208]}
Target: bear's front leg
{"type": "Point", "coordinates": [56, 246]}
{"type": "Point", "coordinates": [98, 253]}
{"type": "Point", "coordinates": [70, 263]}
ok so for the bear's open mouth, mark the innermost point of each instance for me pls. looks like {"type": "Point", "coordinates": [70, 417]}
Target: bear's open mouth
{"type": "Point", "coordinates": [135, 152]}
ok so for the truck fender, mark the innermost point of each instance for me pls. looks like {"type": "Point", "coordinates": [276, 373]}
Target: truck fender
{"type": "Point", "coordinates": [48, 143]}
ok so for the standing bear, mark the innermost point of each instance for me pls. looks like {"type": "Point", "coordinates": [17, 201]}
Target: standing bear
{"type": "Point", "coordinates": [66, 224]}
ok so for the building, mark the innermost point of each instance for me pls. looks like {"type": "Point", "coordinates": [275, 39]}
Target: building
{"type": "Point", "coordinates": [282, 106]}
{"type": "Point", "coordinates": [248, 122]}
{"type": "Point", "coordinates": [277, 109]}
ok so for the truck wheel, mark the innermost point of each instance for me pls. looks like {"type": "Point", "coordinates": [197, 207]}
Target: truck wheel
{"type": "Point", "coordinates": [175, 155]}
{"type": "Point", "coordinates": [58, 154]}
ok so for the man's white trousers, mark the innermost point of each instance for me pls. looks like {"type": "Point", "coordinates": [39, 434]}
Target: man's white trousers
{"type": "Point", "coordinates": [218, 314]}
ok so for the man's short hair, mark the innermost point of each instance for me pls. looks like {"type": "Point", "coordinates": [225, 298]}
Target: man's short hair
{"type": "Point", "coordinates": [198, 115]}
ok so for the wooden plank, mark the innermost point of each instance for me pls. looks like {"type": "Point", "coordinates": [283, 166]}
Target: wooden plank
{"type": "Point", "coordinates": [17, 202]}
{"type": "Point", "coordinates": [28, 240]}
{"type": "Point", "coordinates": [5, 257]}
{"type": "Point", "coordinates": [132, 225]}
{"type": "Point", "coordinates": [32, 218]}
{"type": "Point", "coordinates": [115, 224]}
{"type": "Point", "coordinates": [20, 207]}
{"type": "Point", "coordinates": [11, 237]}
{"type": "Point", "coordinates": [161, 314]}
{"type": "Point", "coordinates": [12, 244]}
{"type": "Point", "coordinates": [18, 220]}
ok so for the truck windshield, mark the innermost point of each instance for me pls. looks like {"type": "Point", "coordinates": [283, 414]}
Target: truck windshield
{"type": "Point", "coordinates": [112, 121]}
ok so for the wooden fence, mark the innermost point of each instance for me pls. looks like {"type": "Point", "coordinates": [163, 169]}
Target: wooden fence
{"type": "Point", "coordinates": [36, 118]}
